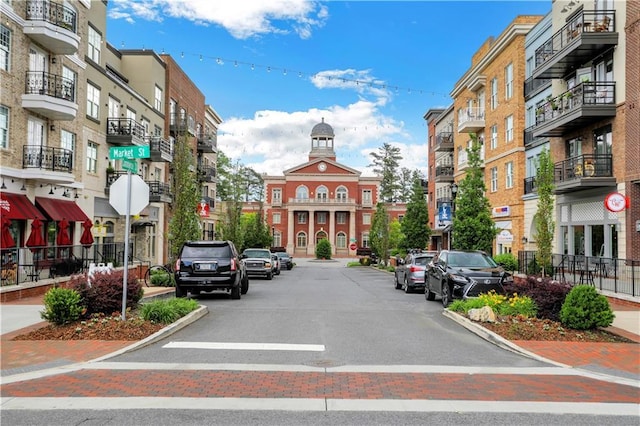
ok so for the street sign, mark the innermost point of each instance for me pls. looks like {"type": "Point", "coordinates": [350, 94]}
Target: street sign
{"type": "Point", "coordinates": [139, 195]}
{"type": "Point", "coordinates": [133, 151]}
{"type": "Point", "coordinates": [353, 246]}
{"type": "Point", "coordinates": [130, 165]}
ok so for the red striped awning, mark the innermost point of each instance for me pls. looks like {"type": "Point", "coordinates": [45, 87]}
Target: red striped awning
{"type": "Point", "coordinates": [58, 209]}
{"type": "Point", "coordinates": [18, 207]}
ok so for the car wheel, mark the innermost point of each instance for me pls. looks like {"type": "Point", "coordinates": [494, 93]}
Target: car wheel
{"type": "Point", "coordinates": [428, 294]}
{"type": "Point", "coordinates": [407, 289]}
{"type": "Point", "coordinates": [244, 284]}
{"type": "Point", "coordinates": [235, 292]}
{"type": "Point", "coordinates": [278, 272]}
{"type": "Point", "coordinates": [398, 285]}
{"type": "Point", "coordinates": [446, 297]}
{"type": "Point", "coordinates": [180, 292]}
{"type": "Point", "coordinates": [269, 276]}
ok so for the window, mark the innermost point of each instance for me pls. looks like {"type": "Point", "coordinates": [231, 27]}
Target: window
{"type": "Point", "coordinates": [341, 218]}
{"type": "Point", "coordinates": [172, 112]}
{"type": "Point", "coordinates": [494, 136]}
{"type": "Point", "coordinates": [4, 126]}
{"type": "Point", "coordinates": [365, 239]}
{"type": "Point", "coordinates": [93, 101]}
{"type": "Point", "coordinates": [322, 193]}
{"type": "Point", "coordinates": [302, 192]}
{"type": "Point", "coordinates": [366, 218]}
{"type": "Point", "coordinates": [341, 240]}
{"type": "Point", "coordinates": [157, 99]}
{"type": "Point", "coordinates": [508, 81]}
{"type": "Point", "coordinates": [92, 157]}
{"type": "Point", "coordinates": [400, 217]}
{"type": "Point", "coordinates": [322, 218]}
{"type": "Point", "coordinates": [301, 239]}
{"type": "Point", "coordinates": [36, 132]}
{"type": "Point", "coordinates": [276, 218]}
{"type": "Point", "coordinates": [366, 197]}
{"type": "Point", "coordinates": [341, 194]}
{"type": "Point", "coordinates": [95, 42]}
{"type": "Point", "coordinates": [494, 93]}
{"type": "Point", "coordinates": [302, 217]}
{"type": "Point", "coordinates": [508, 129]}
{"type": "Point", "coordinates": [114, 108]}
{"type": "Point", "coordinates": [277, 239]}
{"type": "Point", "coordinates": [603, 140]}
{"type": "Point", "coordinates": [494, 179]}
{"type": "Point", "coordinates": [69, 82]}
{"type": "Point", "coordinates": [5, 48]}
{"type": "Point", "coordinates": [68, 140]}
{"type": "Point", "coordinates": [509, 174]}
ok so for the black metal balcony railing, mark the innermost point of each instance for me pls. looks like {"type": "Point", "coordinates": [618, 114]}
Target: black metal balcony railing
{"type": "Point", "coordinates": [161, 149]}
{"type": "Point", "coordinates": [588, 21]}
{"type": "Point", "coordinates": [530, 185]}
{"type": "Point", "coordinates": [584, 166]}
{"type": "Point", "coordinates": [47, 158]}
{"type": "Point", "coordinates": [533, 86]}
{"type": "Point", "coordinates": [444, 171]}
{"type": "Point", "coordinates": [585, 94]}
{"type": "Point", "coordinates": [159, 192]}
{"type": "Point", "coordinates": [444, 141]}
{"type": "Point", "coordinates": [44, 83]}
{"type": "Point", "coordinates": [207, 173]}
{"type": "Point", "coordinates": [54, 13]}
{"type": "Point", "coordinates": [124, 127]}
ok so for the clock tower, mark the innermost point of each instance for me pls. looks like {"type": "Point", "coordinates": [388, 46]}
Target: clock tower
{"type": "Point", "coordinates": [322, 142]}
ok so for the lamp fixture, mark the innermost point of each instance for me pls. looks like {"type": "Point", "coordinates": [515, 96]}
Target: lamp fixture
{"type": "Point", "coordinates": [51, 190]}
{"type": "Point", "coordinates": [52, 127]}
{"type": "Point", "coordinates": [454, 190]}
{"type": "Point", "coordinates": [66, 193]}
{"type": "Point", "coordinates": [3, 185]}
{"type": "Point", "coordinates": [525, 240]}
{"type": "Point", "coordinates": [24, 188]}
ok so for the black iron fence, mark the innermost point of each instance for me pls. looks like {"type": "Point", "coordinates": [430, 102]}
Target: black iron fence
{"type": "Point", "coordinates": [44, 83]}
{"type": "Point", "coordinates": [47, 158]}
{"type": "Point", "coordinates": [605, 273]}
{"type": "Point", "coordinates": [52, 12]}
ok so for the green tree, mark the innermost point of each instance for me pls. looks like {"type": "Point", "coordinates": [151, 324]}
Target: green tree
{"type": "Point", "coordinates": [473, 228]}
{"type": "Point", "coordinates": [386, 162]}
{"type": "Point", "coordinates": [379, 233]}
{"type": "Point", "coordinates": [415, 223]}
{"type": "Point", "coordinates": [255, 232]}
{"type": "Point", "coordinates": [405, 181]}
{"type": "Point", "coordinates": [545, 225]}
{"type": "Point", "coordinates": [396, 237]}
{"type": "Point", "coordinates": [185, 223]}
{"type": "Point", "coordinates": [323, 249]}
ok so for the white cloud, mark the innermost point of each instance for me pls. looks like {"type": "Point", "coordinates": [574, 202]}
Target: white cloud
{"type": "Point", "coordinates": [241, 18]}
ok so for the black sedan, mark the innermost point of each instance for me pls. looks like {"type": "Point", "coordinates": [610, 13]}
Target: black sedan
{"type": "Point", "coordinates": [286, 261]}
{"type": "Point", "coordinates": [457, 274]}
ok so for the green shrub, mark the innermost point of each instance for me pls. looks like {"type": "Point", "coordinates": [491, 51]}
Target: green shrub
{"type": "Point", "coordinates": [104, 295]}
{"type": "Point", "coordinates": [167, 311]}
{"type": "Point", "coordinates": [62, 306]}
{"type": "Point", "coordinates": [508, 261]}
{"type": "Point", "coordinates": [391, 268]}
{"type": "Point", "coordinates": [323, 249]}
{"type": "Point", "coordinates": [518, 305]}
{"type": "Point", "coordinates": [158, 277]}
{"type": "Point", "coordinates": [354, 263]}
{"type": "Point", "coordinates": [585, 309]}
{"type": "Point", "coordinates": [499, 303]}
{"type": "Point", "coordinates": [365, 261]}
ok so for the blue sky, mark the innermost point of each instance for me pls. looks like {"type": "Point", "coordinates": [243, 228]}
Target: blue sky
{"type": "Point", "coordinates": [272, 69]}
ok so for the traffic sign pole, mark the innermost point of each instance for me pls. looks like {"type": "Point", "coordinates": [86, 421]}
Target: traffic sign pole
{"type": "Point", "coordinates": [127, 224]}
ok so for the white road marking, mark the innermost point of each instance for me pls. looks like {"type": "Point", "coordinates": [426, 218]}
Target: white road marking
{"type": "Point", "coordinates": [245, 346]}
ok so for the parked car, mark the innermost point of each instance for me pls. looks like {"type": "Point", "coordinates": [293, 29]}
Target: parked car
{"type": "Point", "coordinates": [275, 264]}
{"type": "Point", "coordinates": [286, 261]}
{"type": "Point", "coordinates": [458, 274]}
{"type": "Point", "coordinates": [208, 266]}
{"type": "Point", "coordinates": [258, 262]}
{"type": "Point", "coordinates": [409, 271]}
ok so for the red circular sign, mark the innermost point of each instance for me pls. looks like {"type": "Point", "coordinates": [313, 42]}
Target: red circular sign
{"type": "Point", "coordinates": [353, 246]}
{"type": "Point", "coordinates": [203, 209]}
{"type": "Point", "coordinates": [616, 202]}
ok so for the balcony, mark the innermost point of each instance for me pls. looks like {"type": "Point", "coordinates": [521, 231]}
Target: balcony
{"type": "Point", "coordinates": [533, 86]}
{"type": "Point", "coordinates": [444, 142]}
{"type": "Point", "coordinates": [161, 149]}
{"type": "Point", "coordinates": [207, 142]}
{"type": "Point", "coordinates": [584, 172]}
{"type": "Point", "coordinates": [47, 158]}
{"type": "Point", "coordinates": [210, 201]}
{"type": "Point", "coordinates": [530, 140]}
{"type": "Point", "coordinates": [576, 108]}
{"type": "Point", "coordinates": [159, 192]}
{"type": "Point", "coordinates": [471, 120]}
{"type": "Point", "coordinates": [588, 34]}
{"type": "Point", "coordinates": [50, 95]}
{"type": "Point", "coordinates": [444, 174]}
{"type": "Point", "coordinates": [52, 25]}
{"type": "Point", "coordinates": [314, 202]}
{"type": "Point", "coordinates": [463, 158]}
{"type": "Point", "coordinates": [125, 132]}
{"type": "Point", "coordinates": [179, 124]}
{"type": "Point", "coordinates": [530, 186]}
{"type": "Point", "coordinates": [206, 173]}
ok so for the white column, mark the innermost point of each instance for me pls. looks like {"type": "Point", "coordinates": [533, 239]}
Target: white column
{"type": "Point", "coordinates": [332, 230]}
{"type": "Point", "coordinates": [310, 237]}
{"type": "Point", "coordinates": [291, 238]}
{"type": "Point", "coordinates": [352, 228]}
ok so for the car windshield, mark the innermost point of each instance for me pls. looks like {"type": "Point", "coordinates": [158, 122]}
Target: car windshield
{"type": "Point", "coordinates": [283, 255]}
{"type": "Point", "coordinates": [422, 260]}
{"type": "Point", "coordinates": [471, 260]}
{"type": "Point", "coordinates": [206, 251]}
{"type": "Point", "coordinates": [258, 253]}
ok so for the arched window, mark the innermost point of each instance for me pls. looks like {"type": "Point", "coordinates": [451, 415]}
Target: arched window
{"type": "Point", "coordinates": [322, 193]}
{"type": "Point", "coordinates": [301, 239]}
{"type": "Point", "coordinates": [341, 240]}
{"type": "Point", "coordinates": [341, 194]}
{"type": "Point", "coordinates": [277, 239]}
{"type": "Point", "coordinates": [302, 192]}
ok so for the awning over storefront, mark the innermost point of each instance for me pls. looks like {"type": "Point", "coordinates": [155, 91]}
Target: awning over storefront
{"type": "Point", "coordinates": [18, 206]}
{"type": "Point", "coordinates": [503, 224]}
{"type": "Point", "coordinates": [58, 209]}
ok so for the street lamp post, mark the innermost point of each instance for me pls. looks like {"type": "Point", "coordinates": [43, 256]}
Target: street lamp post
{"type": "Point", "coordinates": [273, 236]}
{"type": "Point", "coordinates": [454, 194]}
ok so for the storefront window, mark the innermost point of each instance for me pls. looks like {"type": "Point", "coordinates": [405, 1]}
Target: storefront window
{"type": "Point", "coordinates": [597, 240]}
{"type": "Point", "coordinates": [578, 239]}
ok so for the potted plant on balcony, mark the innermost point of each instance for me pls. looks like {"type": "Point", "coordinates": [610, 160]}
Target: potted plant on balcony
{"type": "Point", "coordinates": [110, 169]}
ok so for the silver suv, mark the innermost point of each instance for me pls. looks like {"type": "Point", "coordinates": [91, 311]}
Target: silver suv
{"type": "Point", "coordinates": [410, 271]}
{"type": "Point", "coordinates": [258, 262]}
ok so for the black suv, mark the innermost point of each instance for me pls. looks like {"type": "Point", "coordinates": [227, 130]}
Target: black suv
{"type": "Point", "coordinates": [461, 274]}
{"type": "Point", "coordinates": [208, 266]}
